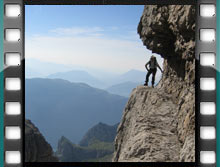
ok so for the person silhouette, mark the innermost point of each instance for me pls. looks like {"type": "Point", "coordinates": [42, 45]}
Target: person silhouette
{"type": "Point", "coordinates": [152, 63]}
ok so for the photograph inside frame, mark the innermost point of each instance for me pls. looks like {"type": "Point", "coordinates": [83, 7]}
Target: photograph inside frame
{"type": "Point", "coordinates": [110, 83]}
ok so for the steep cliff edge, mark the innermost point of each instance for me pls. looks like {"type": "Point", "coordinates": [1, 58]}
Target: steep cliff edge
{"type": "Point", "coordinates": [159, 124]}
{"type": "Point", "coordinates": [36, 147]}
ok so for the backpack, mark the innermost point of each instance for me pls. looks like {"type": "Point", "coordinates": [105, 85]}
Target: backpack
{"type": "Point", "coordinates": [153, 63]}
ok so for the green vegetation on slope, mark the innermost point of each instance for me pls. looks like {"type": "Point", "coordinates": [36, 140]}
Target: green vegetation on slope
{"type": "Point", "coordinates": [95, 152]}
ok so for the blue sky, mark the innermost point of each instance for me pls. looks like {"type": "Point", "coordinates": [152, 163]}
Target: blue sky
{"type": "Point", "coordinates": [95, 36]}
{"type": "Point", "coordinates": [40, 18]}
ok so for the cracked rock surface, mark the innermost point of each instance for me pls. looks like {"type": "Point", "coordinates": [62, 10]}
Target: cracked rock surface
{"type": "Point", "coordinates": [159, 124]}
{"type": "Point", "coordinates": [36, 147]}
{"type": "Point", "coordinates": [147, 131]}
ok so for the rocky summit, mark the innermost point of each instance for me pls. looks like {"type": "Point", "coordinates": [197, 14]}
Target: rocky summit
{"type": "Point", "coordinates": [158, 124]}
{"type": "Point", "coordinates": [36, 147]}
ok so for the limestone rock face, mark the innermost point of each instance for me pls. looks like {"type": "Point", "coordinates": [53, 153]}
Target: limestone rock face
{"type": "Point", "coordinates": [36, 147]}
{"type": "Point", "coordinates": [159, 124]}
{"type": "Point", "coordinates": [148, 128]}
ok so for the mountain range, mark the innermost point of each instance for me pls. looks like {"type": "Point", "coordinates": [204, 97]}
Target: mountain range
{"type": "Point", "coordinates": [83, 76]}
{"type": "Point", "coordinates": [78, 76]}
{"type": "Point", "coordinates": [58, 107]}
{"type": "Point", "coordinates": [123, 89]}
{"type": "Point", "coordinates": [119, 84]}
{"type": "Point", "coordinates": [131, 76]}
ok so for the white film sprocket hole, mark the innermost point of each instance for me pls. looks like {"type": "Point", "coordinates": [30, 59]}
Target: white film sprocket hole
{"type": "Point", "coordinates": [12, 132]}
{"type": "Point", "coordinates": [12, 10]}
{"type": "Point", "coordinates": [207, 10]}
{"type": "Point", "coordinates": [207, 59]}
{"type": "Point", "coordinates": [12, 108]}
{"type": "Point", "coordinates": [207, 157]}
{"type": "Point", "coordinates": [13, 83]}
{"type": "Point", "coordinates": [12, 35]}
{"type": "Point", "coordinates": [12, 59]}
{"type": "Point", "coordinates": [207, 132]}
{"type": "Point", "coordinates": [207, 84]}
{"type": "Point", "coordinates": [207, 108]}
{"type": "Point", "coordinates": [207, 35]}
{"type": "Point", "coordinates": [13, 157]}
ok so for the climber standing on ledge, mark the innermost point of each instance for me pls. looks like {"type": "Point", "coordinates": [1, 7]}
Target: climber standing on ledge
{"type": "Point", "coordinates": [153, 69]}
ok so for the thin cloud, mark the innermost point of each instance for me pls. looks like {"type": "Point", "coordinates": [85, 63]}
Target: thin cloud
{"type": "Point", "coordinates": [76, 31]}
{"type": "Point", "coordinates": [89, 50]}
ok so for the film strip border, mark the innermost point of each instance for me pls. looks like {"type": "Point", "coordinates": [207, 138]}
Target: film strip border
{"type": "Point", "coordinates": [217, 81]}
{"type": "Point", "coordinates": [13, 82]}
{"type": "Point", "coordinates": [206, 74]}
{"type": "Point", "coordinates": [14, 73]}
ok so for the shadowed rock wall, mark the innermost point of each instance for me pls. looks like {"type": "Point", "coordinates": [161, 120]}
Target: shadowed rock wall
{"type": "Point", "coordinates": [36, 147]}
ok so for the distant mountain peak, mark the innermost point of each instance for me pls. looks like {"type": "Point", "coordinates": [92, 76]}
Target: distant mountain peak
{"type": "Point", "coordinates": [96, 146]}
{"type": "Point", "coordinates": [63, 138]}
{"type": "Point", "coordinates": [78, 76]}
{"type": "Point", "coordinates": [101, 132]}
{"type": "Point", "coordinates": [100, 123]}
{"type": "Point", "coordinates": [70, 152]}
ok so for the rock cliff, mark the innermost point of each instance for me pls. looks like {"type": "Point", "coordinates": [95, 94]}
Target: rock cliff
{"type": "Point", "coordinates": [96, 145]}
{"type": "Point", "coordinates": [69, 152]}
{"type": "Point", "coordinates": [101, 132]}
{"type": "Point", "coordinates": [36, 147]}
{"type": "Point", "coordinates": [159, 124]}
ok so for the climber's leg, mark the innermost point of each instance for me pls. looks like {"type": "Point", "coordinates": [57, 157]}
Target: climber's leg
{"type": "Point", "coordinates": [147, 77]}
{"type": "Point", "coordinates": [154, 71]}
